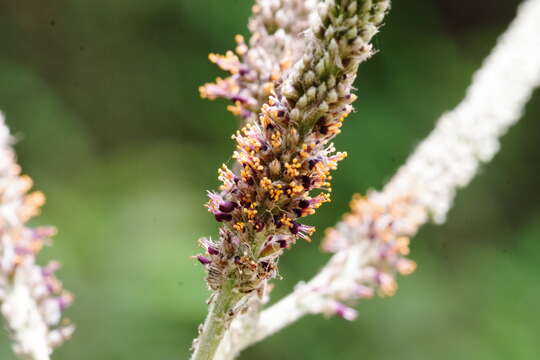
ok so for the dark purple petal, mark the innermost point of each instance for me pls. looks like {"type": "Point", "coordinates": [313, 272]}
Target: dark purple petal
{"type": "Point", "coordinates": [236, 98]}
{"type": "Point", "coordinates": [212, 250]}
{"type": "Point", "coordinates": [227, 206]}
{"type": "Point", "coordinates": [282, 243]}
{"type": "Point", "coordinates": [203, 260]}
{"type": "Point", "coordinates": [223, 217]}
{"type": "Point", "coordinates": [277, 221]}
{"type": "Point", "coordinates": [295, 227]}
{"type": "Point", "coordinates": [259, 226]}
{"type": "Point", "coordinates": [306, 182]}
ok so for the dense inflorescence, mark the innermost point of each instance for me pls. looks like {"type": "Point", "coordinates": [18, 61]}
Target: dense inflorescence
{"type": "Point", "coordinates": [285, 156]}
{"type": "Point", "coordinates": [277, 41]}
{"type": "Point", "coordinates": [32, 298]}
{"type": "Point", "coordinates": [378, 231]}
{"type": "Point", "coordinates": [260, 206]}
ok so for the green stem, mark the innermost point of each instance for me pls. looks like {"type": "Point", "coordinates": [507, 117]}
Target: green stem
{"type": "Point", "coordinates": [216, 322]}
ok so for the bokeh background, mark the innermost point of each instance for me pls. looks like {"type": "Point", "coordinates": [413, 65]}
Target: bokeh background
{"type": "Point", "coordinates": [102, 96]}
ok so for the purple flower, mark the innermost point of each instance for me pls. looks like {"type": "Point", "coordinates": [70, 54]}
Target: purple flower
{"type": "Point", "coordinates": [203, 260]}
{"type": "Point", "coordinates": [220, 217]}
{"type": "Point", "coordinates": [227, 206]}
{"type": "Point", "coordinates": [212, 250]}
{"type": "Point", "coordinates": [295, 228]}
{"type": "Point", "coordinates": [282, 243]}
{"type": "Point", "coordinates": [344, 311]}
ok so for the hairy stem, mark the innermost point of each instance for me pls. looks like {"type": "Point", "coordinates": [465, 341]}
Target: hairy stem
{"type": "Point", "coordinates": [216, 322]}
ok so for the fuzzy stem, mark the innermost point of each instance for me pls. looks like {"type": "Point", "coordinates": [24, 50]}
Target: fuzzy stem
{"type": "Point", "coordinates": [216, 322]}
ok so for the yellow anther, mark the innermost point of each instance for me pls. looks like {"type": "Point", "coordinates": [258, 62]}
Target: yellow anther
{"type": "Point", "coordinates": [402, 245]}
{"type": "Point", "coordinates": [406, 267]}
{"type": "Point", "coordinates": [239, 226]}
{"type": "Point", "coordinates": [268, 87]}
{"type": "Point", "coordinates": [285, 220]}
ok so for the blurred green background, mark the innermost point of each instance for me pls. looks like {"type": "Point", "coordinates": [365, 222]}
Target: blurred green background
{"type": "Point", "coordinates": [103, 98]}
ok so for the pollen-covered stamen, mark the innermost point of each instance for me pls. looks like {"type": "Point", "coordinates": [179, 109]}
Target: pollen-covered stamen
{"type": "Point", "coordinates": [305, 231]}
{"type": "Point", "coordinates": [227, 177]}
{"type": "Point", "coordinates": [228, 62]}
{"type": "Point", "coordinates": [251, 211]}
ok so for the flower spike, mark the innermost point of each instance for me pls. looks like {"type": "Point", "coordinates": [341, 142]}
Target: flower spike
{"type": "Point", "coordinates": [32, 298]}
{"type": "Point", "coordinates": [284, 157]}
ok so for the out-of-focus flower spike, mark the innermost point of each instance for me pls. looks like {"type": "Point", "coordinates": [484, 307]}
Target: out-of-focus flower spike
{"type": "Point", "coordinates": [32, 298]}
{"type": "Point", "coordinates": [383, 228]}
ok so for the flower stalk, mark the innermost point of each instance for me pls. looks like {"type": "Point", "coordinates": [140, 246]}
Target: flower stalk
{"type": "Point", "coordinates": [216, 322]}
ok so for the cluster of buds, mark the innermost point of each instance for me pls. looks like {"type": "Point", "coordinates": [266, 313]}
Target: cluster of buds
{"type": "Point", "coordinates": [32, 298]}
{"type": "Point", "coordinates": [277, 41]}
{"type": "Point", "coordinates": [285, 156]}
{"type": "Point", "coordinates": [377, 231]}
